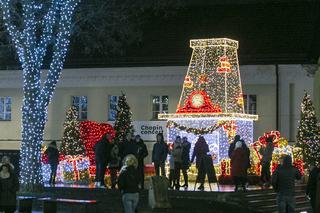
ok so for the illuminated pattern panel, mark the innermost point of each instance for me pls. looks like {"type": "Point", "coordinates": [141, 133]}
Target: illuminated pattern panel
{"type": "Point", "coordinates": [218, 140]}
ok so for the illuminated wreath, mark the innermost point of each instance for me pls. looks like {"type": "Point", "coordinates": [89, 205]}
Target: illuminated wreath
{"type": "Point", "coordinates": [196, 131]}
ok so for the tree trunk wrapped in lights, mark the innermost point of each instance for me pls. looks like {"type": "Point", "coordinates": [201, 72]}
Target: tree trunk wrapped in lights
{"type": "Point", "coordinates": [42, 25]}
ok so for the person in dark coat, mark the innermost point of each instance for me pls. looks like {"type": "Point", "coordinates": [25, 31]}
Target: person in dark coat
{"type": "Point", "coordinates": [233, 144]}
{"type": "Point", "coordinates": [266, 153]}
{"type": "Point", "coordinates": [177, 158]}
{"type": "Point", "coordinates": [130, 146]}
{"type": "Point", "coordinates": [186, 146]}
{"type": "Point", "coordinates": [114, 163]}
{"type": "Point", "coordinates": [239, 166]}
{"type": "Point", "coordinates": [129, 184]}
{"type": "Point", "coordinates": [101, 155]}
{"type": "Point", "coordinates": [53, 157]}
{"type": "Point", "coordinates": [283, 182]}
{"type": "Point", "coordinates": [9, 185]}
{"type": "Point", "coordinates": [159, 155]}
{"type": "Point", "coordinates": [200, 152]}
{"type": "Point", "coordinates": [142, 153]}
{"type": "Point", "coordinates": [311, 190]}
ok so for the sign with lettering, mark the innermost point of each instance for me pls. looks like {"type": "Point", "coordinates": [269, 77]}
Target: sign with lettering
{"type": "Point", "coordinates": [149, 129]}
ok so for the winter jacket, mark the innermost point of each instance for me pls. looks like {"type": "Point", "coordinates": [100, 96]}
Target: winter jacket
{"type": "Point", "coordinates": [239, 163]}
{"type": "Point", "coordinates": [114, 161]}
{"type": "Point", "coordinates": [283, 179]}
{"type": "Point", "coordinates": [130, 147]}
{"type": "Point", "coordinates": [186, 146]}
{"type": "Point", "coordinates": [159, 152]}
{"type": "Point", "coordinates": [266, 153]}
{"type": "Point", "coordinates": [53, 154]}
{"type": "Point", "coordinates": [199, 152]}
{"type": "Point", "coordinates": [312, 182]}
{"type": "Point", "coordinates": [177, 152]}
{"type": "Point", "coordinates": [102, 151]}
{"type": "Point", "coordinates": [142, 151]}
{"type": "Point", "coordinates": [8, 189]}
{"type": "Point", "coordinates": [128, 180]}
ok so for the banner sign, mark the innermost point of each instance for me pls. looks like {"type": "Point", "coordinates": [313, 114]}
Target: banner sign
{"type": "Point", "coordinates": [149, 129]}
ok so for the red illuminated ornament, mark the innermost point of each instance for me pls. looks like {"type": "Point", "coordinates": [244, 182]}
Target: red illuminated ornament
{"type": "Point", "coordinates": [91, 132]}
{"type": "Point", "coordinates": [203, 79]}
{"type": "Point", "coordinates": [199, 102]}
{"type": "Point", "coordinates": [231, 128]}
{"type": "Point", "coordinates": [225, 66]}
{"type": "Point", "coordinates": [188, 83]}
{"type": "Point", "coordinates": [240, 100]}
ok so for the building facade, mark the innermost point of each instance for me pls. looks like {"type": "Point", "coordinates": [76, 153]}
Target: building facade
{"type": "Point", "coordinates": [153, 90]}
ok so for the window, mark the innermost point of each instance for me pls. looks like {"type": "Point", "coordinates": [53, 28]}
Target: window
{"type": "Point", "coordinates": [159, 105]}
{"type": "Point", "coordinates": [250, 104]}
{"type": "Point", "coordinates": [113, 103]}
{"type": "Point", "coordinates": [81, 104]}
{"type": "Point", "coordinates": [5, 108]}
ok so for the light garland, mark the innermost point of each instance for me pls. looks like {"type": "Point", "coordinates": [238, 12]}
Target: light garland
{"type": "Point", "coordinates": [220, 116]}
{"type": "Point", "coordinates": [196, 131]}
{"type": "Point", "coordinates": [31, 47]}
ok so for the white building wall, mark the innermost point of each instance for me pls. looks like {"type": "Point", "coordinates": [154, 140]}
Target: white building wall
{"type": "Point", "coordinates": [139, 84]}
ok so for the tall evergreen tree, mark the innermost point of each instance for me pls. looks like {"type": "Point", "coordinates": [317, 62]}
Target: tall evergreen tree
{"type": "Point", "coordinates": [123, 124]}
{"type": "Point", "coordinates": [308, 137]}
{"type": "Point", "coordinates": [71, 141]}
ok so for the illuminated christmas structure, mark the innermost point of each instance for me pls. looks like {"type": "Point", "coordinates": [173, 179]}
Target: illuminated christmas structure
{"type": "Point", "coordinates": [211, 102]}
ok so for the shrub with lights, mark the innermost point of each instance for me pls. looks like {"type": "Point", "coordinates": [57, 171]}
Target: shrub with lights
{"type": "Point", "coordinates": [90, 133]}
{"type": "Point", "coordinates": [36, 27]}
{"type": "Point", "coordinates": [74, 161]}
{"type": "Point", "coordinates": [281, 148]}
{"type": "Point", "coordinates": [308, 136]}
{"type": "Point", "coordinates": [211, 102]}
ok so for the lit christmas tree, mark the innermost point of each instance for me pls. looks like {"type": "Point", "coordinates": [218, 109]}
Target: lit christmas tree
{"type": "Point", "coordinates": [34, 28]}
{"type": "Point", "coordinates": [123, 124]}
{"type": "Point", "coordinates": [308, 137]}
{"type": "Point", "coordinates": [71, 142]}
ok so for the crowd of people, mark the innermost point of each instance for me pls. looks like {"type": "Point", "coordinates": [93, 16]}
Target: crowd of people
{"type": "Point", "coordinates": [127, 158]}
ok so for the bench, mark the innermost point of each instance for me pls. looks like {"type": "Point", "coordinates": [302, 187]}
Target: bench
{"type": "Point", "coordinates": [25, 203]}
{"type": "Point", "coordinates": [85, 206]}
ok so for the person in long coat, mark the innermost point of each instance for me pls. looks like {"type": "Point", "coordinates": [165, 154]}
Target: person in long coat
{"type": "Point", "coordinates": [9, 185]}
{"type": "Point", "coordinates": [142, 153]}
{"type": "Point", "coordinates": [200, 152]}
{"type": "Point", "coordinates": [159, 155]}
{"type": "Point", "coordinates": [53, 157]}
{"type": "Point", "coordinates": [266, 153]}
{"type": "Point", "coordinates": [114, 163]}
{"type": "Point", "coordinates": [239, 166]}
{"type": "Point", "coordinates": [311, 189]}
{"type": "Point", "coordinates": [102, 156]}
{"type": "Point", "coordinates": [186, 146]}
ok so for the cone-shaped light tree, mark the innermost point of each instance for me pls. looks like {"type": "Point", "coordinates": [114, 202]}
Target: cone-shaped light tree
{"type": "Point", "coordinates": [308, 136]}
{"type": "Point", "coordinates": [71, 141]}
{"type": "Point", "coordinates": [123, 124]}
{"type": "Point", "coordinates": [34, 26]}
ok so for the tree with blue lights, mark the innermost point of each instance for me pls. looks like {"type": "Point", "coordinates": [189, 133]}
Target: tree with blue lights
{"type": "Point", "coordinates": [37, 27]}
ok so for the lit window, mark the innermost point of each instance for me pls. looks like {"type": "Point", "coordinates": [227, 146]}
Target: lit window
{"type": "Point", "coordinates": [159, 105]}
{"type": "Point", "coordinates": [250, 104]}
{"type": "Point", "coordinates": [5, 108]}
{"type": "Point", "coordinates": [81, 104]}
{"type": "Point", "coordinates": [113, 103]}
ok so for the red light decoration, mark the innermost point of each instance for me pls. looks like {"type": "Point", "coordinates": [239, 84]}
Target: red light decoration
{"type": "Point", "coordinates": [225, 66]}
{"type": "Point", "coordinates": [188, 83]}
{"type": "Point", "coordinates": [205, 107]}
{"type": "Point", "coordinates": [90, 133]}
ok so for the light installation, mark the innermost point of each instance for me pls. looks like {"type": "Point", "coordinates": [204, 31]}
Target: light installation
{"type": "Point", "coordinates": [44, 24]}
{"type": "Point", "coordinates": [211, 103]}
